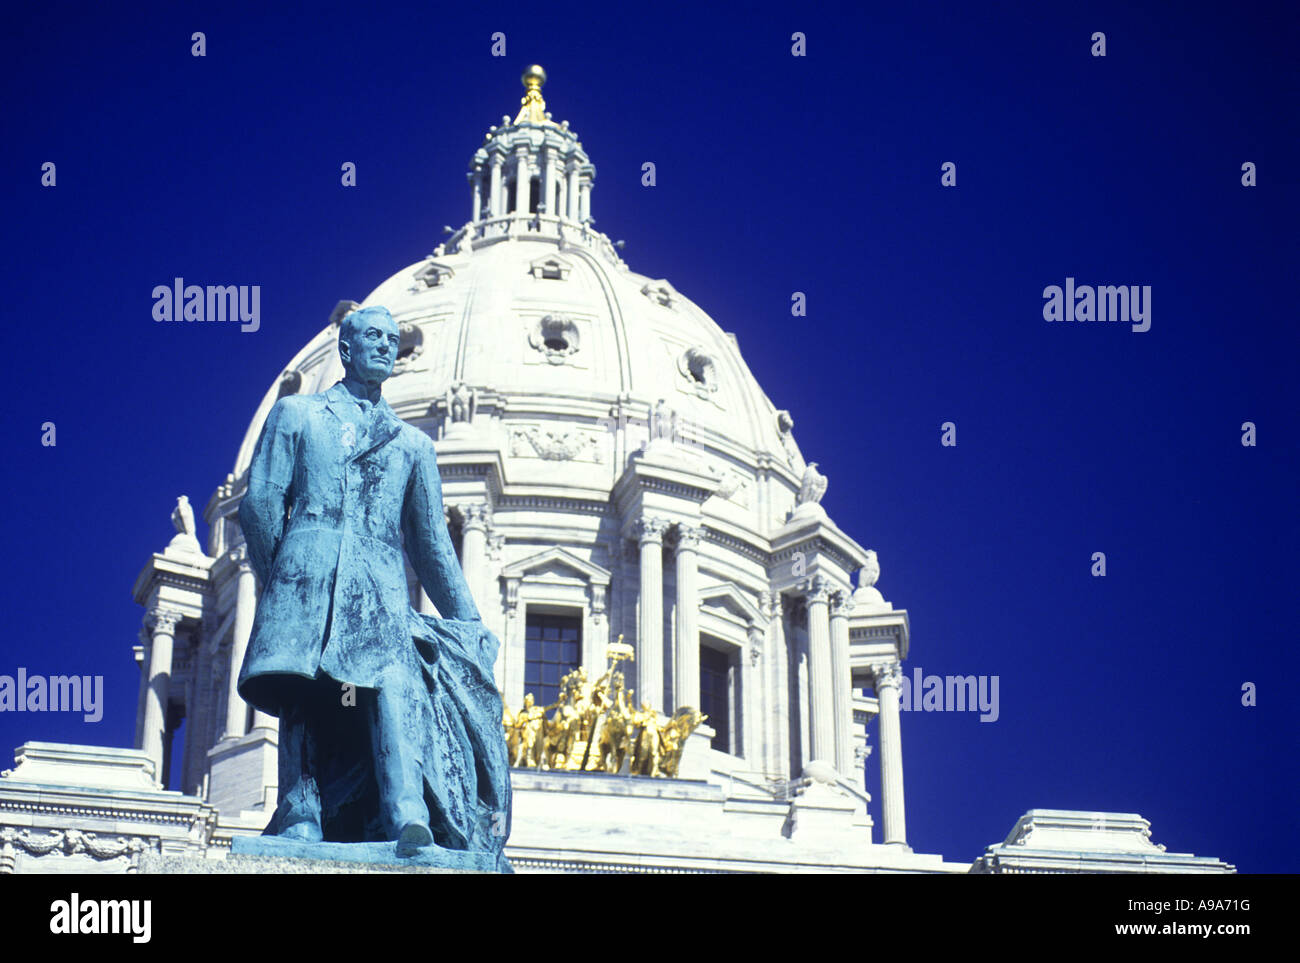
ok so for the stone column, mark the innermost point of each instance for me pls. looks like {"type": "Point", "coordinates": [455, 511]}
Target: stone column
{"type": "Point", "coordinates": [141, 654]}
{"type": "Point", "coordinates": [584, 200]}
{"type": "Point", "coordinates": [888, 680]}
{"type": "Point", "coordinates": [490, 604]}
{"type": "Point", "coordinates": [650, 635]}
{"type": "Point", "coordinates": [571, 194]}
{"type": "Point", "coordinates": [474, 546]}
{"type": "Point", "coordinates": [820, 676]}
{"type": "Point", "coordinates": [753, 669]}
{"type": "Point", "coordinates": [478, 196]}
{"type": "Point", "coordinates": [775, 729]}
{"type": "Point", "coordinates": [595, 639]}
{"type": "Point", "coordinates": [522, 178]}
{"type": "Point", "coordinates": [509, 666]}
{"type": "Point", "coordinates": [841, 677]}
{"type": "Point", "coordinates": [245, 608]}
{"type": "Point", "coordinates": [686, 655]}
{"type": "Point", "coordinates": [544, 199]}
{"type": "Point", "coordinates": [496, 201]}
{"type": "Point", "coordinates": [163, 629]}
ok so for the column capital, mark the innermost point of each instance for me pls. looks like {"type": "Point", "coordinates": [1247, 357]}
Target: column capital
{"type": "Point", "coordinates": [649, 528]}
{"type": "Point", "coordinates": [816, 588]}
{"type": "Point", "coordinates": [841, 605]}
{"type": "Point", "coordinates": [476, 516]}
{"type": "Point", "coordinates": [163, 618]}
{"type": "Point", "coordinates": [886, 675]}
{"type": "Point", "coordinates": [769, 603]}
{"type": "Point", "coordinates": [689, 537]}
{"type": "Point", "coordinates": [239, 560]}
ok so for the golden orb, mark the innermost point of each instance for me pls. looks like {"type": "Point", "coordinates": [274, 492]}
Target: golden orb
{"type": "Point", "coordinates": [534, 73]}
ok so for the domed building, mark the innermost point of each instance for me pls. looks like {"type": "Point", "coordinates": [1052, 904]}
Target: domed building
{"type": "Point", "coordinates": [612, 471]}
{"type": "Point", "coordinates": [612, 468]}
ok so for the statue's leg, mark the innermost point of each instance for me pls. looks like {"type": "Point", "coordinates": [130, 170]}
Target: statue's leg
{"type": "Point", "coordinates": [298, 815]}
{"type": "Point", "coordinates": [398, 767]}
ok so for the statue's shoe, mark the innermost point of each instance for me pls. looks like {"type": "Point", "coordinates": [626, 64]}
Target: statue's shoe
{"type": "Point", "coordinates": [413, 838]}
{"type": "Point", "coordinates": [303, 832]}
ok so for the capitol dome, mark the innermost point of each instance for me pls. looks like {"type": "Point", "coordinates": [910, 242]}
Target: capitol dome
{"type": "Point", "coordinates": [541, 310]}
{"type": "Point", "coordinates": [612, 471]}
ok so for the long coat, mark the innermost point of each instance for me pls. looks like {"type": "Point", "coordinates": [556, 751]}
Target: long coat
{"type": "Point", "coordinates": [328, 506]}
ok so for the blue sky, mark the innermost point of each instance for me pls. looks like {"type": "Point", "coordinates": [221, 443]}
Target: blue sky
{"type": "Point", "coordinates": [775, 174]}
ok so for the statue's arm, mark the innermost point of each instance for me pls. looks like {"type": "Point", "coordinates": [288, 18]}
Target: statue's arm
{"type": "Point", "coordinates": [428, 544]}
{"type": "Point", "coordinates": [263, 511]}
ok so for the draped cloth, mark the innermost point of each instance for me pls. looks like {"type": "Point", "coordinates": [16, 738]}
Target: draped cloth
{"type": "Point", "coordinates": [451, 718]}
{"type": "Point", "coordinates": [467, 771]}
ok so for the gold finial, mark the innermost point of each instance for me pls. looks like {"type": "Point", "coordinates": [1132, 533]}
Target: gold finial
{"type": "Point", "coordinates": [533, 109]}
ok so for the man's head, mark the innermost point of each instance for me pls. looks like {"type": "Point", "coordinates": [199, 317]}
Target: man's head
{"type": "Point", "coordinates": [368, 342]}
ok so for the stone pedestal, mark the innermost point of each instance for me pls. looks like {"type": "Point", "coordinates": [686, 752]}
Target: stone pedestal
{"type": "Point", "coordinates": [286, 855]}
{"type": "Point", "coordinates": [821, 815]}
{"type": "Point", "coordinates": [276, 866]}
{"type": "Point", "coordinates": [696, 752]}
{"type": "Point", "coordinates": [91, 809]}
{"type": "Point", "coordinates": [1070, 841]}
{"type": "Point", "coordinates": [244, 772]}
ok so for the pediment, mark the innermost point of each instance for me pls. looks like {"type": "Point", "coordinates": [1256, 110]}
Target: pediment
{"type": "Point", "coordinates": [556, 563]}
{"type": "Point", "coordinates": [728, 598]}
{"type": "Point", "coordinates": [550, 266]}
{"type": "Point", "coordinates": [434, 273]}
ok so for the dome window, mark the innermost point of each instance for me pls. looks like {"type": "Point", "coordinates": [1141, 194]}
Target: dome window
{"type": "Point", "coordinates": [550, 267]}
{"type": "Point", "coordinates": [433, 274]}
{"type": "Point", "coordinates": [556, 337]}
{"type": "Point", "coordinates": [290, 384]}
{"type": "Point", "coordinates": [409, 348]}
{"type": "Point", "coordinates": [661, 292]}
{"type": "Point", "coordinates": [699, 367]}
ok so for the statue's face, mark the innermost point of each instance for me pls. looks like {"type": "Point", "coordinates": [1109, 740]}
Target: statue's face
{"type": "Point", "coordinates": [368, 346]}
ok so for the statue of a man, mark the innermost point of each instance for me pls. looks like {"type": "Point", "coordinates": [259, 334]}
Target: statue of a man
{"type": "Point", "coordinates": [390, 720]}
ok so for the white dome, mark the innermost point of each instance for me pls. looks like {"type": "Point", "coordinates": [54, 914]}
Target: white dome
{"type": "Point", "coordinates": [535, 313]}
